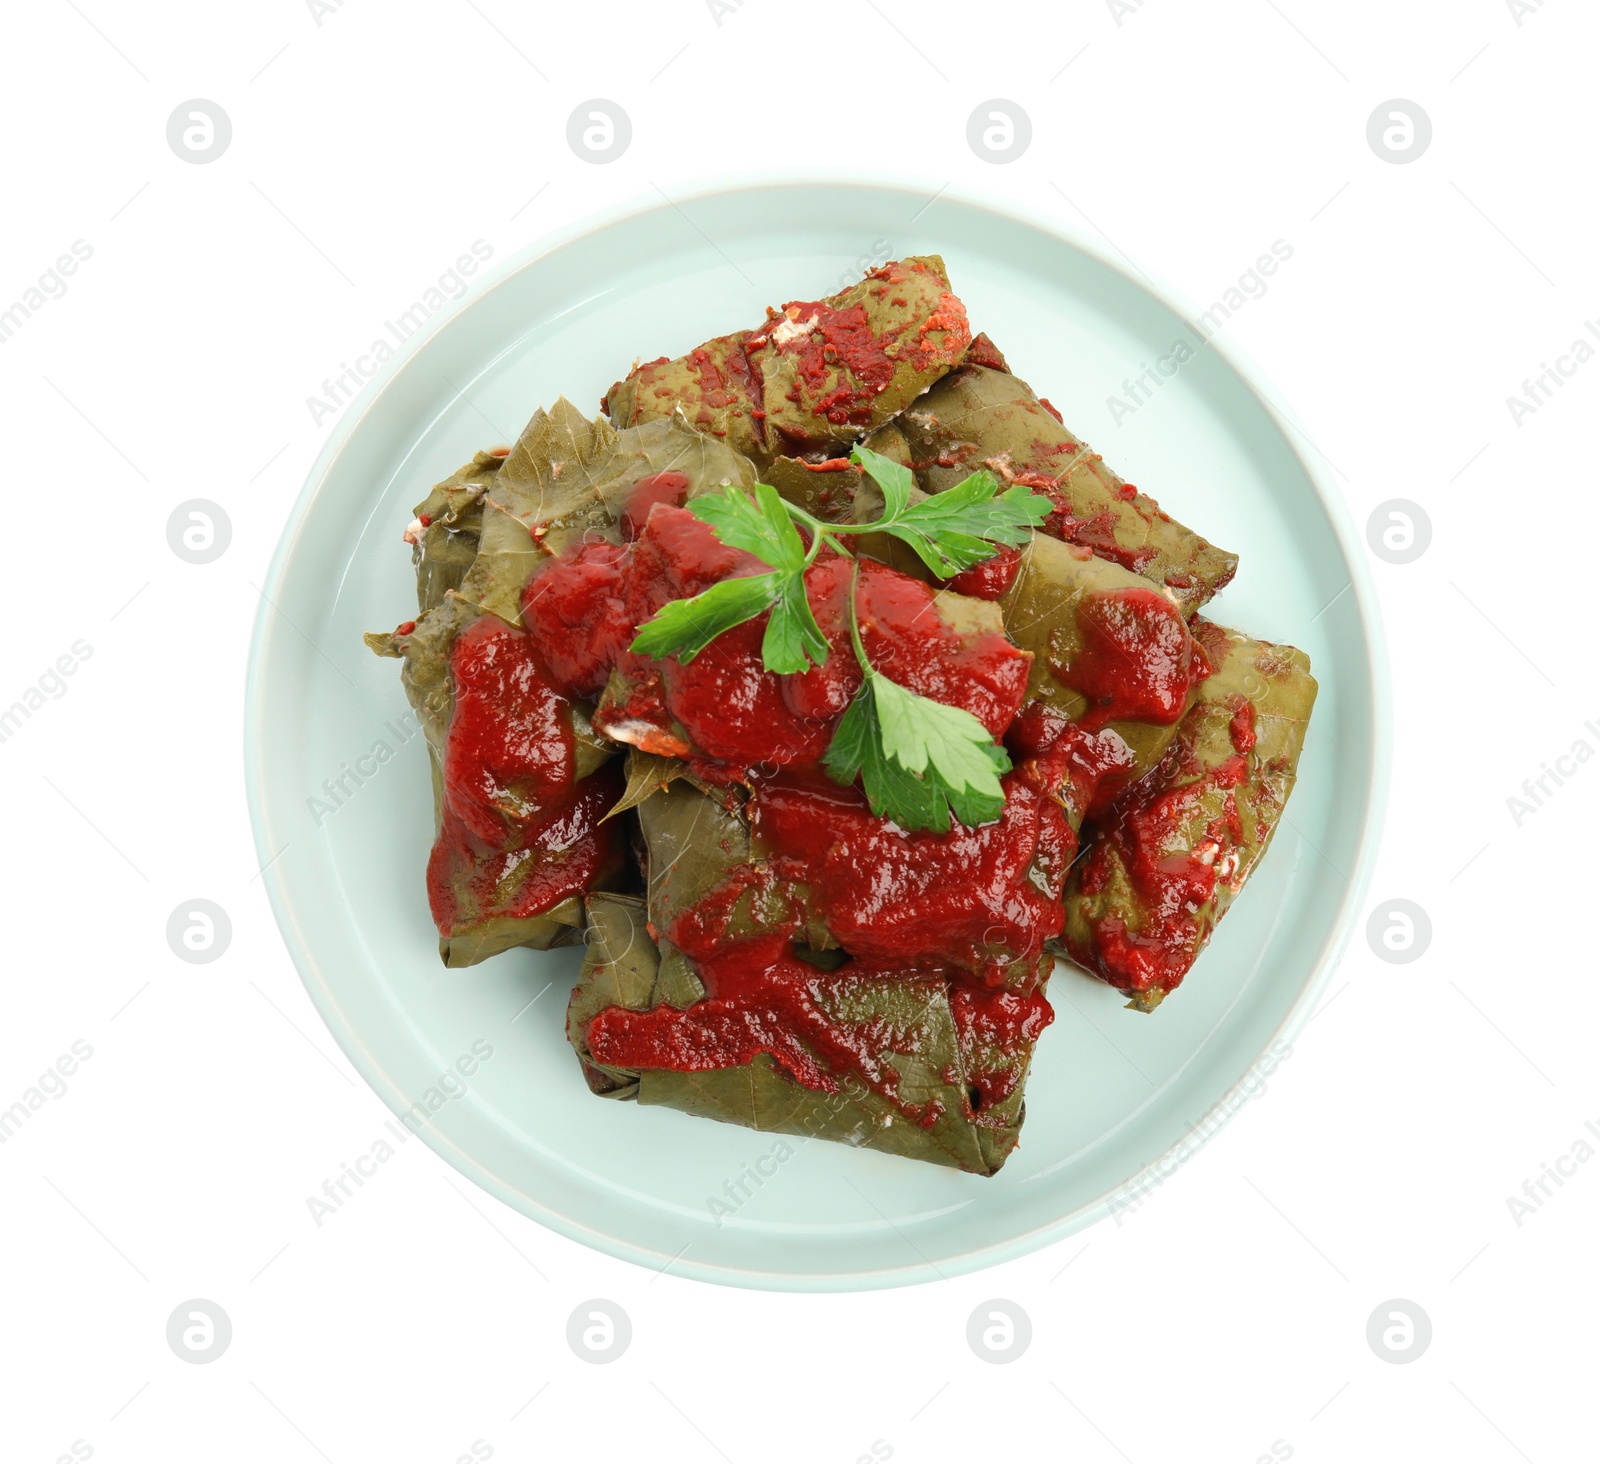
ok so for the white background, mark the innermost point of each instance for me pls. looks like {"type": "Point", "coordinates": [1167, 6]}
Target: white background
{"type": "Point", "coordinates": [1228, 1314]}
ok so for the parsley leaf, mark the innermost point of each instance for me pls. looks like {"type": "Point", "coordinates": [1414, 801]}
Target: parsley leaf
{"type": "Point", "coordinates": [961, 527]}
{"type": "Point", "coordinates": [894, 480]}
{"type": "Point", "coordinates": [684, 628]}
{"type": "Point", "coordinates": [763, 527]}
{"type": "Point", "coordinates": [793, 639]}
{"type": "Point", "coordinates": [918, 759]}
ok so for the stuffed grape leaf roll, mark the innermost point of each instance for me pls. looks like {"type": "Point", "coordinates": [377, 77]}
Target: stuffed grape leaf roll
{"type": "Point", "coordinates": [764, 1030]}
{"type": "Point", "coordinates": [979, 417]}
{"type": "Point", "coordinates": [1115, 667]}
{"type": "Point", "coordinates": [816, 373]}
{"type": "Point", "coordinates": [1174, 849]}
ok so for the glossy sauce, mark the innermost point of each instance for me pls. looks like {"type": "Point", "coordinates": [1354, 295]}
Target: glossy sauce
{"type": "Point", "coordinates": [990, 579]}
{"type": "Point", "coordinates": [562, 851]}
{"type": "Point", "coordinates": [509, 752]}
{"type": "Point", "coordinates": [1138, 660]}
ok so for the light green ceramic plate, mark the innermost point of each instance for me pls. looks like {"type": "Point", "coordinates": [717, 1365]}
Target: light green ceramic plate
{"type": "Point", "coordinates": [1112, 1091]}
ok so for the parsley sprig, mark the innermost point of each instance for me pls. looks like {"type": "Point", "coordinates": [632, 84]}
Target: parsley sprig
{"type": "Point", "coordinates": [918, 759]}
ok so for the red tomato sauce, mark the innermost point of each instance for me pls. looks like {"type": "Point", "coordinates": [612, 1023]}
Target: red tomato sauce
{"type": "Point", "coordinates": [560, 852]}
{"type": "Point", "coordinates": [1175, 876]}
{"type": "Point", "coordinates": [1138, 661]}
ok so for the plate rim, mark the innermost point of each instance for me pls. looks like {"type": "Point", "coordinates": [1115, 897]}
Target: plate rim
{"type": "Point", "coordinates": [1235, 358]}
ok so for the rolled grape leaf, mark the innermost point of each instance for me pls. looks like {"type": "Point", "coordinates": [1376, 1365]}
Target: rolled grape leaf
{"type": "Point", "coordinates": [508, 864]}
{"type": "Point", "coordinates": [1113, 665]}
{"type": "Point", "coordinates": [1173, 850]}
{"type": "Point", "coordinates": [570, 480]}
{"type": "Point", "coordinates": [817, 373]}
{"type": "Point", "coordinates": [484, 895]}
{"type": "Point", "coordinates": [939, 1068]}
{"type": "Point", "coordinates": [1113, 660]}
{"type": "Point", "coordinates": [425, 676]}
{"type": "Point", "coordinates": [979, 417]}
{"type": "Point", "coordinates": [932, 1046]}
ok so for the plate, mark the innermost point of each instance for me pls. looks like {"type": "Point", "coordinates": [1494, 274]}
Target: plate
{"type": "Point", "coordinates": [338, 777]}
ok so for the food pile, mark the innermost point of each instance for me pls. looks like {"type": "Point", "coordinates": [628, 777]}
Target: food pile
{"type": "Point", "coordinates": [828, 688]}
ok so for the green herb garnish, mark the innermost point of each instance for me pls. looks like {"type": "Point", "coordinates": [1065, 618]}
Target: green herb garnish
{"type": "Point", "coordinates": [918, 759]}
